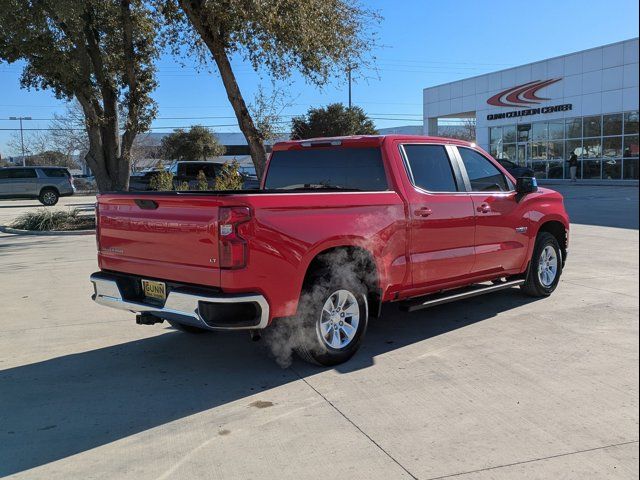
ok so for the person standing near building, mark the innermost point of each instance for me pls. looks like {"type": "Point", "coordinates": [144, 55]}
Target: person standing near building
{"type": "Point", "coordinates": [573, 166]}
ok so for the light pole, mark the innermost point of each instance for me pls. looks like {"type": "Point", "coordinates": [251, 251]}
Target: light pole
{"type": "Point", "coordinates": [24, 161]}
{"type": "Point", "coordinates": [349, 77]}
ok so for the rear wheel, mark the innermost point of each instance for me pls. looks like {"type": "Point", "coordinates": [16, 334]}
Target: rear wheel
{"type": "Point", "coordinates": [48, 197]}
{"type": "Point", "coordinates": [545, 268]}
{"type": "Point", "coordinates": [333, 315]}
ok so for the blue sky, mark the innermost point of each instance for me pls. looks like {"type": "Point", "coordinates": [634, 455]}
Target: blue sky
{"type": "Point", "coordinates": [422, 43]}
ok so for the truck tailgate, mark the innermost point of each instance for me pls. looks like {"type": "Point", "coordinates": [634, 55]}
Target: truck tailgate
{"type": "Point", "coordinates": [168, 237]}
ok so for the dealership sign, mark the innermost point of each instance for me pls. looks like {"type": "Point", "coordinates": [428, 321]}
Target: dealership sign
{"type": "Point", "coordinates": [525, 95]}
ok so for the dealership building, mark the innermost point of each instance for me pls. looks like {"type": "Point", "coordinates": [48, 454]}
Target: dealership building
{"type": "Point", "coordinates": [540, 113]}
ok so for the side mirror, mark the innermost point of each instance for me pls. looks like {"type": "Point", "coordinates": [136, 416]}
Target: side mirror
{"type": "Point", "coordinates": [525, 185]}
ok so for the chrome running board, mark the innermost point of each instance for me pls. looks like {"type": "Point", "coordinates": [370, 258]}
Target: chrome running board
{"type": "Point", "coordinates": [458, 294]}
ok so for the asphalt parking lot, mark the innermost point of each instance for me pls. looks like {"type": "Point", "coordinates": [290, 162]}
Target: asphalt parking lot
{"type": "Point", "coordinates": [496, 387]}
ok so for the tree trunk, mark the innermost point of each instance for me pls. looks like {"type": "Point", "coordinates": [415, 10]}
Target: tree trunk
{"type": "Point", "coordinates": [193, 9]}
{"type": "Point", "coordinates": [110, 169]}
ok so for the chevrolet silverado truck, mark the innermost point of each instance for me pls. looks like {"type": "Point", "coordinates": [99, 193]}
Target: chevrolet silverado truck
{"type": "Point", "coordinates": [339, 226]}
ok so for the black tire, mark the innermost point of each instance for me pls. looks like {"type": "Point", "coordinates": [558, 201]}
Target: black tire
{"type": "Point", "coordinates": [533, 285]}
{"type": "Point", "coordinates": [311, 346]}
{"type": "Point", "coordinates": [48, 197]}
{"type": "Point", "coordinates": [188, 328]}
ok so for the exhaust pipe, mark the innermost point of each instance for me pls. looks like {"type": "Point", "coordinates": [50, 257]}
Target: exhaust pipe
{"type": "Point", "coordinates": [148, 319]}
{"type": "Point", "coordinates": [255, 335]}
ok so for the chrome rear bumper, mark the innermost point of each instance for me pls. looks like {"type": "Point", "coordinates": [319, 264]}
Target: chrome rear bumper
{"type": "Point", "coordinates": [181, 306]}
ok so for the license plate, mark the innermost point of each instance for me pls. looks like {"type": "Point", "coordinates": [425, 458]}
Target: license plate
{"type": "Point", "coordinates": [154, 290]}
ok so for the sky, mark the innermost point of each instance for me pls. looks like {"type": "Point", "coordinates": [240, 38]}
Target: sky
{"type": "Point", "coordinates": [421, 43]}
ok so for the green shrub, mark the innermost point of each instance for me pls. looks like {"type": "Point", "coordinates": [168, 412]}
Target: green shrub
{"type": "Point", "coordinates": [229, 178]}
{"type": "Point", "coordinates": [184, 186]}
{"type": "Point", "coordinates": [203, 183]}
{"type": "Point", "coordinates": [161, 181]}
{"type": "Point", "coordinates": [45, 219]}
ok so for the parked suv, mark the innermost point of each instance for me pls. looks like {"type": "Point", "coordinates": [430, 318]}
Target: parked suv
{"type": "Point", "coordinates": [47, 184]}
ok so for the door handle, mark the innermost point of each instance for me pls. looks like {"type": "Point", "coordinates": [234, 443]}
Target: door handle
{"type": "Point", "coordinates": [484, 208]}
{"type": "Point", "coordinates": [423, 212]}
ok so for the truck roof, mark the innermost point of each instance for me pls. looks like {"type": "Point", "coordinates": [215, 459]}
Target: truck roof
{"type": "Point", "coordinates": [364, 141]}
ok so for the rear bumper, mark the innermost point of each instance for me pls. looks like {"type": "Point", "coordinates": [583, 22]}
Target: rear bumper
{"type": "Point", "coordinates": [186, 305]}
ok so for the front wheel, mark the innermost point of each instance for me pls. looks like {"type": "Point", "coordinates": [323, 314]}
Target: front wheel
{"type": "Point", "coordinates": [334, 320]}
{"type": "Point", "coordinates": [545, 268]}
{"type": "Point", "coordinates": [48, 197]}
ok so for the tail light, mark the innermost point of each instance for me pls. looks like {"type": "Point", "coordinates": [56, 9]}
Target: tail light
{"type": "Point", "coordinates": [97, 213]}
{"type": "Point", "coordinates": [232, 247]}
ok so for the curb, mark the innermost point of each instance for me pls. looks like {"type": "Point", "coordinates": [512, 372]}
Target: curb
{"type": "Point", "coordinates": [49, 233]}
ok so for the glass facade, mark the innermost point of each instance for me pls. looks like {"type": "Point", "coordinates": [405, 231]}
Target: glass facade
{"type": "Point", "coordinates": [606, 146]}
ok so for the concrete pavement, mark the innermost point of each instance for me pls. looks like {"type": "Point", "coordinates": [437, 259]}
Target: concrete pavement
{"type": "Point", "coordinates": [496, 387]}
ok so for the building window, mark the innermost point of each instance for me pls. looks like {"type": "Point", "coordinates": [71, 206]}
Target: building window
{"type": "Point", "coordinates": [630, 169]}
{"type": "Point", "coordinates": [612, 169]}
{"type": "Point", "coordinates": [606, 145]}
{"type": "Point", "coordinates": [496, 134]}
{"type": "Point", "coordinates": [612, 147]}
{"type": "Point", "coordinates": [591, 169]}
{"type": "Point", "coordinates": [540, 131]}
{"type": "Point", "coordinates": [574, 127]}
{"type": "Point", "coordinates": [630, 146]}
{"type": "Point", "coordinates": [509, 134]}
{"type": "Point", "coordinates": [592, 126]}
{"type": "Point", "coordinates": [612, 125]}
{"type": "Point", "coordinates": [556, 150]}
{"type": "Point", "coordinates": [630, 122]}
{"type": "Point", "coordinates": [556, 130]}
{"type": "Point", "coordinates": [573, 146]}
{"type": "Point", "coordinates": [591, 148]}
{"type": "Point", "coordinates": [523, 132]}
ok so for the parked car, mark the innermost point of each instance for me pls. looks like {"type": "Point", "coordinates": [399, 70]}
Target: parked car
{"type": "Point", "coordinates": [141, 181]}
{"type": "Point", "coordinates": [516, 170]}
{"type": "Point", "coordinates": [47, 184]}
{"type": "Point", "coordinates": [340, 226]}
{"type": "Point", "coordinates": [187, 172]}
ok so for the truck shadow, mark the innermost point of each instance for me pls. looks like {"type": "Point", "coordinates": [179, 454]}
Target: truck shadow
{"type": "Point", "coordinates": [67, 405]}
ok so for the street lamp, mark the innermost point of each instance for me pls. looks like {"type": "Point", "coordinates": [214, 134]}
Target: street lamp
{"type": "Point", "coordinates": [21, 136]}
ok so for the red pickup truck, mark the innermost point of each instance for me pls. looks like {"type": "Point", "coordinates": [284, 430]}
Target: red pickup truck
{"type": "Point", "coordinates": [339, 226]}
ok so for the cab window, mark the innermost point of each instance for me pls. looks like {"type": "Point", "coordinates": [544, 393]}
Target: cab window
{"type": "Point", "coordinates": [430, 168]}
{"type": "Point", "coordinates": [484, 176]}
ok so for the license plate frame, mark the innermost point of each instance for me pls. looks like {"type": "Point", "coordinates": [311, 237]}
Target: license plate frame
{"type": "Point", "coordinates": [154, 290]}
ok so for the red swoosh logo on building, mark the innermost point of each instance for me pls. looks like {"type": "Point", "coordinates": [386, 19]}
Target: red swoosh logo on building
{"type": "Point", "coordinates": [521, 95]}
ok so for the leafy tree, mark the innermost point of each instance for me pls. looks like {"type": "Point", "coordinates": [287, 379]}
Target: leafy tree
{"type": "Point", "coordinates": [41, 149]}
{"type": "Point", "coordinates": [266, 111]}
{"type": "Point", "coordinates": [101, 53]}
{"type": "Point", "coordinates": [51, 158]}
{"type": "Point", "coordinates": [333, 121]}
{"type": "Point", "coordinates": [67, 133]}
{"type": "Point", "coordinates": [196, 144]}
{"type": "Point", "coordinates": [228, 177]}
{"type": "Point", "coordinates": [318, 38]}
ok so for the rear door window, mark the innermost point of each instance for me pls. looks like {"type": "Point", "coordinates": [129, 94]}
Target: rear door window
{"type": "Point", "coordinates": [23, 173]}
{"type": "Point", "coordinates": [318, 168]}
{"type": "Point", "coordinates": [56, 172]}
{"type": "Point", "coordinates": [192, 170]}
{"type": "Point", "coordinates": [484, 176]}
{"type": "Point", "coordinates": [430, 168]}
